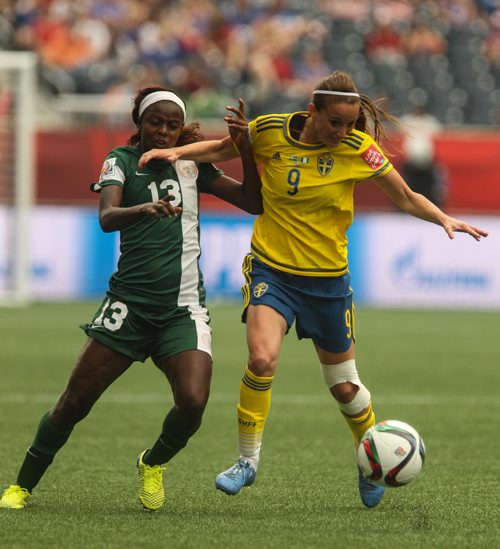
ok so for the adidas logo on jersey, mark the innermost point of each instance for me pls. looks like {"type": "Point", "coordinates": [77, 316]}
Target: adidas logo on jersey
{"type": "Point", "coordinates": [277, 156]}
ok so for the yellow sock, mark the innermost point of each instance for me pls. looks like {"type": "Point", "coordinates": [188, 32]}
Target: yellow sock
{"type": "Point", "coordinates": [360, 424]}
{"type": "Point", "coordinates": [253, 408]}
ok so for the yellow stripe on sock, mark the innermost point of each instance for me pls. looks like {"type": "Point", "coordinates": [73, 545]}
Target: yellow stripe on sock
{"type": "Point", "coordinates": [360, 424]}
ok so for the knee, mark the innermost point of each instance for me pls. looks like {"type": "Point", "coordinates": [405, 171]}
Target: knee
{"type": "Point", "coordinates": [191, 404]}
{"type": "Point", "coordinates": [344, 392]}
{"type": "Point", "coordinates": [352, 399]}
{"type": "Point", "coordinates": [345, 386]}
{"type": "Point", "coordinates": [262, 363]}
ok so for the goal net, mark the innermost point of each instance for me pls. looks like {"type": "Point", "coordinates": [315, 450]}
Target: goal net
{"type": "Point", "coordinates": [17, 166]}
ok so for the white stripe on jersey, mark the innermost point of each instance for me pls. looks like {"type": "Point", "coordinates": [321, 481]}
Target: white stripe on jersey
{"type": "Point", "coordinates": [187, 172]}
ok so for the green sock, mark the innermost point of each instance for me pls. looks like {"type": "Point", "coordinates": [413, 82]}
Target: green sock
{"type": "Point", "coordinates": [48, 440]}
{"type": "Point", "coordinates": [174, 436]}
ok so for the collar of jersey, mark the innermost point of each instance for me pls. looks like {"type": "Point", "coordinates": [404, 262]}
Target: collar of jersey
{"type": "Point", "coordinates": [295, 142]}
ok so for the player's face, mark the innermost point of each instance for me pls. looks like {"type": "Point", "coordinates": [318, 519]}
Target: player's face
{"type": "Point", "coordinates": [161, 125]}
{"type": "Point", "coordinates": [334, 122]}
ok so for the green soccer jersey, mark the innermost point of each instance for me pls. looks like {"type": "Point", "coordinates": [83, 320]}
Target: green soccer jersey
{"type": "Point", "coordinates": [159, 258]}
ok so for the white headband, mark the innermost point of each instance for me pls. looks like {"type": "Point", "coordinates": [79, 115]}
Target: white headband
{"type": "Point", "coordinates": [328, 92]}
{"type": "Point", "coordinates": [161, 96]}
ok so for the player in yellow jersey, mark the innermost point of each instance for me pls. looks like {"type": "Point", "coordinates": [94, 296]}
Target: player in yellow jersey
{"type": "Point", "coordinates": [297, 270]}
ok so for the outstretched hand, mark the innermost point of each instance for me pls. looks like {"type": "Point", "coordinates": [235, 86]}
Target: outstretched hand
{"type": "Point", "coordinates": [451, 226]}
{"type": "Point", "coordinates": [238, 125]}
{"type": "Point", "coordinates": [170, 155]}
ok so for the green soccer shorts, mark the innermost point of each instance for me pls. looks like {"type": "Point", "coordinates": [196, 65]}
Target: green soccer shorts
{"type": "Point", "coordinates": [140, 333]}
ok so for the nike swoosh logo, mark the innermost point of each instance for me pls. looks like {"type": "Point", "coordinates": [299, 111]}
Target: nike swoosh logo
{"type": "Point", "coordinates": [139, 173]}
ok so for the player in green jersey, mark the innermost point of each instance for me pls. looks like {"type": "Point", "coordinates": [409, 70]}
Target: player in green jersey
{"type": "Point", "coordinates": [155, 305]}
{"type": "Point", "coordinates": [297, 270]}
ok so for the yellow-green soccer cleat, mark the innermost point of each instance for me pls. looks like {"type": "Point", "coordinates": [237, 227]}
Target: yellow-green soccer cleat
{"type": "Point", "coordinates": [151, 492]}
{"type": "Point", "coordinates": [15, 497]}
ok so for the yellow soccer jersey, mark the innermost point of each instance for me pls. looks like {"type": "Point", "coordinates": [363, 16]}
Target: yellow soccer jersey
{"type": "Point", "coordinates": [308, 195]}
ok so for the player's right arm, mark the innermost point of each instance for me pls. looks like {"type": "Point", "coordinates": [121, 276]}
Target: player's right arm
{"type": "Point", "coordinates": [113, 217]}
{"type": "Point", "coordinates": [246, 195]}
{"type": "Point", "coordinates": [202, 151]}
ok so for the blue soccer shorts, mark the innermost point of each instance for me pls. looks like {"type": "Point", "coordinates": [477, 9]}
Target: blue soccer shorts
{"type": "Point", "coordinates": [322, 307]}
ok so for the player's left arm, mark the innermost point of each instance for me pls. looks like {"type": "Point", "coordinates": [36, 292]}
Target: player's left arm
{"type": "Point", "coordinates": [395, 187]}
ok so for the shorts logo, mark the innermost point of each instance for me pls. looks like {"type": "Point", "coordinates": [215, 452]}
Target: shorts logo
{"type": "Point", "coordinates": [108, 168]}
{"type": "Point", "coordinates": [325, 164]}
{"type": "Point", "coordinates": [187, 169]}
{"type": "Point", "coordinates": [260, 289]}
{"type": "Point", "coordinates": [373, 157]}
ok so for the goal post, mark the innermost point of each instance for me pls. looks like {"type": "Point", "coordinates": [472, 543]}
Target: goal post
{"type": "Point", "coordinates": [18, 89]}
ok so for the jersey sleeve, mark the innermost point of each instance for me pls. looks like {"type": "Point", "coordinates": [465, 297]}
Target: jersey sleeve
{"type": "Point", "coordinates": [261, 137]}
{"type": "Point", "coordinates": [112, 172]}
{"type": "Point", "coordinates": [207, 174]}
{"type": "Point", "coordinates": [372, 161]}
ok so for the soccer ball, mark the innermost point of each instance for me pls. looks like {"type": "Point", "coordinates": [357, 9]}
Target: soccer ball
{"type": "Point", "coordinates": [391, 453]}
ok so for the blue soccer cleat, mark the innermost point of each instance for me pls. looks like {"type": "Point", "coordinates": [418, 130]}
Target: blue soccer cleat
{"type": "Point", "coordinates": [371, 493]}
{"type": "Point", "coordinates": [239, 475]}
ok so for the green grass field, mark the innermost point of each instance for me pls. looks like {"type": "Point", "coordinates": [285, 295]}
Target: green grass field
{"type": "Point", "coordinates": [436, 370]}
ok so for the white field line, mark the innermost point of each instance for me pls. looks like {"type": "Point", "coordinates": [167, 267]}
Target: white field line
{"type": "Point", "coordinates": [284, 399]}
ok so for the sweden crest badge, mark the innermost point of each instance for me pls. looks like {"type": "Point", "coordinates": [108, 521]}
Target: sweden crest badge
{"type": "Point", "coordinates": [325, 164]}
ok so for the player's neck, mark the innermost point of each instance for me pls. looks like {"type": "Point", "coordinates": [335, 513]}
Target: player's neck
{"type": "Point", "coordinates": [308, 134]}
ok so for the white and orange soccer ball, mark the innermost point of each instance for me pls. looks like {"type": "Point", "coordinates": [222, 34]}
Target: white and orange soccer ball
{"type": "Point", "coordinates": [391, 453]}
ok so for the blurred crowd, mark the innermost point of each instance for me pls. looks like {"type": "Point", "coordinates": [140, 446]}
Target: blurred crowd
{"type": "Point", "coordinates": [271, 52]}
